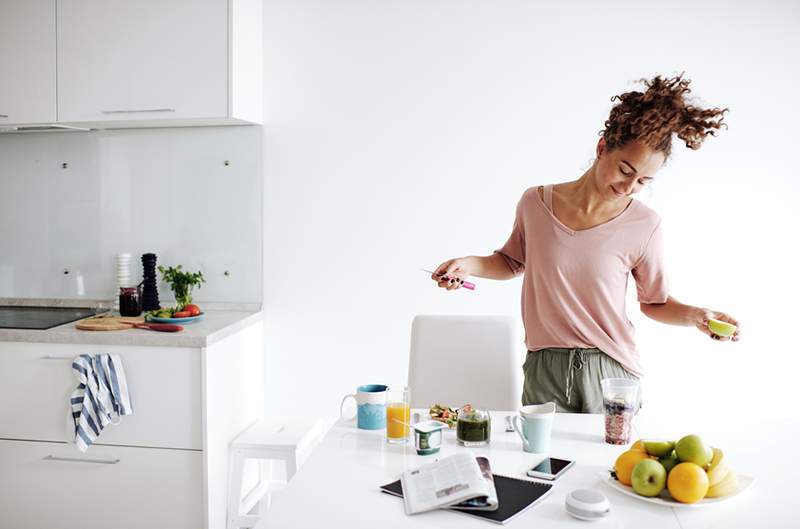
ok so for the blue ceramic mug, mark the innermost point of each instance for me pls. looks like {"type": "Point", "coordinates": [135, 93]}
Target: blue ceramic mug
{"type": "Point", "coordinates": [534, 425]}
{"type": "Point", "coordinates": [370, 405]}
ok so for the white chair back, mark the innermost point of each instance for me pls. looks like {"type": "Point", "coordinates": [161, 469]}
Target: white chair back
{"type": "Point", "coordinates": [457, 360]}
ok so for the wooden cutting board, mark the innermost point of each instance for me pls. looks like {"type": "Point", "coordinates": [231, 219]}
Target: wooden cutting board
{"type": "Point", "coordinates": [108, 323]}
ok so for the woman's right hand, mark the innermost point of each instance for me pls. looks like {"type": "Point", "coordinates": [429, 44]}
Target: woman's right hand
{"type": "Point", "coordinates": [451, 273]}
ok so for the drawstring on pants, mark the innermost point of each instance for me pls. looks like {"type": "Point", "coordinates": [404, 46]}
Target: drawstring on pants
{"type": "Point", "coordinates": [576, 363]}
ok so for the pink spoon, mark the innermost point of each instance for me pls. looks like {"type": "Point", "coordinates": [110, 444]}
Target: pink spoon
{"type": "Point", "coordinates": [465, 284]}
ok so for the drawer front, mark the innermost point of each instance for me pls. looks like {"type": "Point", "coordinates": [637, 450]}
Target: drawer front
{"type": "Point", "coordinates": [120, 487]}
{"type": "Point", "coordinates": [163, 383]}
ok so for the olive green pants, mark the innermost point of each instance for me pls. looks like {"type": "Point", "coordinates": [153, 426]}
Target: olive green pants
{"type": "Point", "coordinates": [570, 378]}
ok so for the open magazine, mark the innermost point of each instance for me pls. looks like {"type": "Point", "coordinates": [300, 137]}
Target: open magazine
{"type": "Point", "coordinates": [462, 481]}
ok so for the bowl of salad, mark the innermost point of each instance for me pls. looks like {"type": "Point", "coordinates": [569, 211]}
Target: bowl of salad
{"type": "Point", "coordinates": [186, 314]}
{"type": "Point", "coordinates": [446, 414]}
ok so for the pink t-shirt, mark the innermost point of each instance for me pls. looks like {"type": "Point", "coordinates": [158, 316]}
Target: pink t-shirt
{"type": "Point", "coordinates": [573, 291]}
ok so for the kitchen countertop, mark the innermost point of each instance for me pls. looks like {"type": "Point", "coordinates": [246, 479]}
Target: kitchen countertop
{"type": "Point", "coordinates": [213, 327]}
{"type": "Point", "coordinates": [106, 304]}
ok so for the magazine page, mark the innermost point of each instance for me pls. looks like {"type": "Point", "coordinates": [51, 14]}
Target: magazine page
{"type": "Point", "coordinates": [446, 482]}
{"type": "Point", "coordinates": [482, 503]}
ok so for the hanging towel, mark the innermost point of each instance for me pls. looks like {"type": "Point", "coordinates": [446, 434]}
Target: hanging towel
{"type": "Point", "coordinates": [101, 397]}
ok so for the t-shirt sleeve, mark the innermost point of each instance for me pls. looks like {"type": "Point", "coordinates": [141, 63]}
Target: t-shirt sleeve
{"type": "Point", "coordinates": [649, 272]}
{"type": "Point", "coordinates": [513, 251]}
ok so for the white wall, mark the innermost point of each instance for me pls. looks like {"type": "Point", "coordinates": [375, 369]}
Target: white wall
{"type": "Point", "coordinates": [151, 190]}
{"type": "Point", "coordinates": [399, 134]}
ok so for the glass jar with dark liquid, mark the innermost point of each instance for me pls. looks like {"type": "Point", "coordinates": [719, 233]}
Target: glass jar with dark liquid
{"type": "Point", "coordinates": [474, 427]}
{"type": "Point", "coordinates": [130, 301]}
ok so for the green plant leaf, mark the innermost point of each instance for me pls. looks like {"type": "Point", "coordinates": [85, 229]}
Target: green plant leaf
{"type": "Point", "coordinates": [181, 283]}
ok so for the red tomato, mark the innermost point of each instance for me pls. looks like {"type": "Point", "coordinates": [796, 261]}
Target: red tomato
{"type": "Point", "coordinates": [182, 314]}
{"type": "Point", "coordinates": [192, 309]}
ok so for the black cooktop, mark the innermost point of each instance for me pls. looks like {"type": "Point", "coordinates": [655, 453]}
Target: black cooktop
{"type": "Point", "coordinates": [41, 317]}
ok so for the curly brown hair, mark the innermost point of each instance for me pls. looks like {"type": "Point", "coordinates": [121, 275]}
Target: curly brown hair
{"type": "Point", "coordinates": [654, 115]}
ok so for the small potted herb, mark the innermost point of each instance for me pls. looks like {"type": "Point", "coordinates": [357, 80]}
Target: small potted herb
{"type": "Point", "coordinates": [181, 283]}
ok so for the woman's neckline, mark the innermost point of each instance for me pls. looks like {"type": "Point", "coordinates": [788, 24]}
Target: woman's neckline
{"type": "Point", "coordinates": [540, 199]}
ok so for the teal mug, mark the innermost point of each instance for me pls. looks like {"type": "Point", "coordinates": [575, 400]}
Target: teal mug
{"type": "Point", "coordinates": [534, 425]}
{"type": "Point", "coordinates": [370, 406]}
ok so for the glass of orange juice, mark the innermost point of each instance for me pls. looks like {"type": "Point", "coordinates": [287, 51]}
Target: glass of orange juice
{"type": "Point", "coordinates": [398, 415]}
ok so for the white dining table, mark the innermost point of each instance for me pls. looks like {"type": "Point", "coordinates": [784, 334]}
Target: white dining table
{"type": "Point", "coordinates": [338, 486]}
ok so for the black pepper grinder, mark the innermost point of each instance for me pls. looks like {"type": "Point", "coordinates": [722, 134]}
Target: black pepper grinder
{"type": "Point", "coordinates": [149, 287]}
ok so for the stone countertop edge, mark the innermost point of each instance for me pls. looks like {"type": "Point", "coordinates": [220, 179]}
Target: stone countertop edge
{"type": "Point", "coordinates": [106, 304]}
{"type": "Point", "coordinates": [214, 327]}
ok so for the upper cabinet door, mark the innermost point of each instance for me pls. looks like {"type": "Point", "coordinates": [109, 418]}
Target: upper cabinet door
{"type": "Point", "coordinates": [27, 61]}
{"type": "Point", "coordinates": [142, 59]}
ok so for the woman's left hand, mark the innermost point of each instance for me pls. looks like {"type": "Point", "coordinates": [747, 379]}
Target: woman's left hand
{"type": "Point", "coordinates": [701, 322]}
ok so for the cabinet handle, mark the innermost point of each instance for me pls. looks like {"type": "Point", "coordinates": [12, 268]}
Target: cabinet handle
{"type": "Point", "coordinates": [3, 115]}
{"type": "Point", "coordinates": [49, 357]}
{"type": "Point", "coordinates": [136, 110]}
{"type": "Point", "coordinates": [78, 460]}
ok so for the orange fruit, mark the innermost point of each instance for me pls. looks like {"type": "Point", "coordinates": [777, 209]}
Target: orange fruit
{"type": "Point", "coordinates": [624, 464]}
{"type": "Point", "coordinates": [687, 482]}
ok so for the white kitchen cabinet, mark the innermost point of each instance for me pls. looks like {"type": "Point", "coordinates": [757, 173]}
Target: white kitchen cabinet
{"type": "Point", "coordinates": [164, 466]}
{"type": "Point", "coordinates": [52, 485]}
{"type": "Point", "coordinates": [159, 63]}
{"type": "Point", "coordinates": [27, 62]}
{"type": "Point", "coordinates": [166, 402]}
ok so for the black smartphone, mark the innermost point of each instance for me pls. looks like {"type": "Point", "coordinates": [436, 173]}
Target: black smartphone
{"type": "Point", "coordinates": [551, 468]}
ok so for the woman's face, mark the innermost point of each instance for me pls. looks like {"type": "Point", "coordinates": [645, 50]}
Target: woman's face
{"type": "Point", "coordinates": [625, 170]}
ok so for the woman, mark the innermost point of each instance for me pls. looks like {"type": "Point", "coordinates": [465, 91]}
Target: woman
{"type": "Point", "coordinates": [577, 242]}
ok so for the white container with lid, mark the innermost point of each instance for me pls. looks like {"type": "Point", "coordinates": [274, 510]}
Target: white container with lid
{"type": "Point", "coordinates": [428, 437]}
{"type": "Point", "coordinates": [587, 504]}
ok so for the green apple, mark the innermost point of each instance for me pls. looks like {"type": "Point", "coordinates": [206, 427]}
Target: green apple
{"type": "Point", "coordinates": [658, 448]}
{"type": "Point", "coordinates": [692, 449]}
{"type": "Point", "coordinates": [721, 328]}
{"type": "Point", "coordinates": [648, 477]}
{"type": "Point", "coordinates": [669, 461]}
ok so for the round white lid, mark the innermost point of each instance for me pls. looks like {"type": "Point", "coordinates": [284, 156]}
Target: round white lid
{"type": "Point", "coordinates": [587, 504]}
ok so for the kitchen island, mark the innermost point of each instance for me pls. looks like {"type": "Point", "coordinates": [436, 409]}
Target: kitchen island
{"type": "Point", "coordinates": [166, 465]}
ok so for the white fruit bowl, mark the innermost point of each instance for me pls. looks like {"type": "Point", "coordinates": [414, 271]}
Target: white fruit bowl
{"type": "Point", "coordinates": [666, 500]}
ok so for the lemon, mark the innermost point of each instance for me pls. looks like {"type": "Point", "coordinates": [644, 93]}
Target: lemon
{"type": "Point", "coordinates": [687, 483]}
{"type": "Point", "coordinates": [721, 328]}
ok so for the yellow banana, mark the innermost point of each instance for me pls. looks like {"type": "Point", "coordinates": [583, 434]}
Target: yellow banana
{"type": "Point", "coordinates": [718, 468]}
{"type": "Point", "coordinates": [728, 485]}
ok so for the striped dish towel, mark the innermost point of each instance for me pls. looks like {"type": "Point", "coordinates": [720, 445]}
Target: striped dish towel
{"type": "Point", "coordinates": [101, 397]}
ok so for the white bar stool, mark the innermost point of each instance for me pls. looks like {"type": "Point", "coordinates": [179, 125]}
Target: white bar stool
{"type": "Point", "coordinates": [271, 440]}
